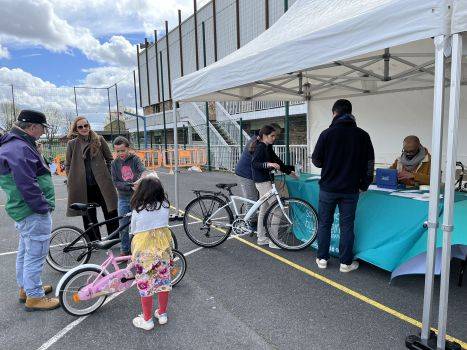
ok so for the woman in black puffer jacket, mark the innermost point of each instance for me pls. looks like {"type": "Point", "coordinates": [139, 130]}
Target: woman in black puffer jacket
{"type": "Point", "coordinates": [263, 161]}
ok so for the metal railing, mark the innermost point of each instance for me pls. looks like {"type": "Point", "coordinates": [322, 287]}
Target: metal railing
{"type": "Point", "coordinates": [237, 107]}
{"type": "Point", "coordinates": [230, 126]}
{"type": "Point", "coordinates": [223, 157]}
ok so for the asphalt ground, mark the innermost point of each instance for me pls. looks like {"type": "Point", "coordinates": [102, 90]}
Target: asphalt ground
{"type": "Point", "coordinates": [235, 296]}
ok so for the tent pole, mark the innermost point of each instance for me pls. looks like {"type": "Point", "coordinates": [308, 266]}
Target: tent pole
{"type": "Point", "coordinates": [449, 193]}
{"type": "Point", "coordinates": [308, 134]}
{"type": "Point", "coordinates": [435, 178]}
{"type": "Point", "coordinates": [287, 133]}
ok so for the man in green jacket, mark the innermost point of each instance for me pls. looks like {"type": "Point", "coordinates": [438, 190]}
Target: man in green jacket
{"type": "Point", "coordinates": [27, 181]}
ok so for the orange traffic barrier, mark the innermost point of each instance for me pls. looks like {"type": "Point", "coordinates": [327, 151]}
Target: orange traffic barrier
{"type": "Point", "coordinates": [152, 159]}
{"type": "Point", "coordinates": [59, 161]}
{"type": "Point", "coordinates": [189, 157]}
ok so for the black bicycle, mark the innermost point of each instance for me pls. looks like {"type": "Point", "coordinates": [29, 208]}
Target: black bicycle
{"type": "Point", "coordinates": [70, 246]}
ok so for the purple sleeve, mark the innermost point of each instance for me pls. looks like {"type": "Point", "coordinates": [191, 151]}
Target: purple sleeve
{"type": "Point", "coordinates": [23, 165]}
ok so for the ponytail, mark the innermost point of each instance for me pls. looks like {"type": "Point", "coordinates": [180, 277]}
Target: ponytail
{"type": "Point", "coordinates": [265, 130]}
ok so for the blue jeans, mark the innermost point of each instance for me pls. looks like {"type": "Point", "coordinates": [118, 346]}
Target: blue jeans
{"type": "Point", "coordinates": [347, 204]}
{"type": "Point", "coordinates": [124, 208]}
{"type": "Point", "coordinates": [34, 239]}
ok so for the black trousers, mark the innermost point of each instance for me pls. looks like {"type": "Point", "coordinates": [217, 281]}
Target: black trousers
{"type": "Point", "coordinates": [95, 196]}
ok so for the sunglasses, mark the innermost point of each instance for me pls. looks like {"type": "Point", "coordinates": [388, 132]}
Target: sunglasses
{"type": "Point", "coordinates": [84, 126]}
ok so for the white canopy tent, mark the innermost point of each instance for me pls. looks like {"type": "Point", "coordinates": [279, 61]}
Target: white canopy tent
{"type": "Point", "coordinates": [327, 49]}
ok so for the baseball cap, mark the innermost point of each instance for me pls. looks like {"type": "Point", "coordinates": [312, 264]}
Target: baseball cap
{"type": "Point", "coordinates": [34, 117]}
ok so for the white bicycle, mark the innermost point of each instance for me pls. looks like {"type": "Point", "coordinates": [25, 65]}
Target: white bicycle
{"type": "Point", "coordinates": [291, 223]}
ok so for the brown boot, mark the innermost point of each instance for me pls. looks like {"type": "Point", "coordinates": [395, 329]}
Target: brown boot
{"type": "Point", "coordinates": [41, 304]}
{"type": "Point", "coordinates": [22, 293]}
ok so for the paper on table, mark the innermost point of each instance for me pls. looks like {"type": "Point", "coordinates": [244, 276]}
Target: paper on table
{"type": "Point", "coordinates": [315, 177]}
{"type": "Point", "coordinates": [407, 195]}
{"type": "Point", "coordinates": [376, 188]}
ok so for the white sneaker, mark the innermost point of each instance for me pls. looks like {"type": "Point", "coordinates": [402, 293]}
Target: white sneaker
{"type": "Point", "coordinates": [272, 245]}
{"type": "Point", "coordinates": [347, 268]}
{"type": "Point", "coordinates": [139, 322]}
{"type": "Point", "coordinates": [322, 263]}
{"type": "Point", "coordinates": [162, 318]}
{"type": "Point", "coordinates": [262, 241]}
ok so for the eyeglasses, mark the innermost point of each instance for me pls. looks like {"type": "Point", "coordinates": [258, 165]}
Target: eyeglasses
{"type": "Point", "coordinates": [84, 126]}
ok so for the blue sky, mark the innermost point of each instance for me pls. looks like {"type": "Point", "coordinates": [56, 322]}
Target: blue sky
{"type": "Point", "coordinates": [49, 46]}
{"type": "Point", "coordinates": [60, 68]}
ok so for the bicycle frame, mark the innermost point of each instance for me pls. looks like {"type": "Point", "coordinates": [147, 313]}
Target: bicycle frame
{"type": "Point", "coordinates": [272, 193]}
{"type": "Point", "coordinates": [70, 247]}
{"type": "Point", "coordinates": [117, 281]}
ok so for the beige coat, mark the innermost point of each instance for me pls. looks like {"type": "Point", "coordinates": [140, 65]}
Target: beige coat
{"type": "Point", "coordinates": [76, 173]}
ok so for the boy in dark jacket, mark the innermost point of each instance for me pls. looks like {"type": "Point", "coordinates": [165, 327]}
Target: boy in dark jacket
{"type": "Point", "coordinates": [345, 154]}
{"type": "Point", "coordinates": [126, 169]}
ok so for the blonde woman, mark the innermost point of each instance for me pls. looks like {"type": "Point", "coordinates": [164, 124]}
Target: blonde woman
{"type": "Point", "coordinates": [87, 165]}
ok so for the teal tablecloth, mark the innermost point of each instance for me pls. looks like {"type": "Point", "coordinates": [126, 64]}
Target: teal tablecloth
{"type": "Point", "coordinates": [388, 229]}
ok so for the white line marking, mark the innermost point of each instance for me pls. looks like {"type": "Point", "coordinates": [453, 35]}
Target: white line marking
{"type": "Point", "coordinates": [72, 325]}
{"type": "Point", "coordinates": [75, 323]}
{"type": "Point", "coordinates": [52, 246]}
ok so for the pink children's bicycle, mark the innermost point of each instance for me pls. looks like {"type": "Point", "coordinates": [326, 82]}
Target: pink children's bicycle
{"type": "Point", "coordinates": [85, 288]}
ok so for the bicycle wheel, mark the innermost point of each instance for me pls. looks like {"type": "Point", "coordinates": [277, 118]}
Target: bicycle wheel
{"type": "Point", "coordinates": [178, 268]}
{"type": "Point", "coordinates": [72, 285]}
{"type": "Point", "coordinates": [296, 235]}
{"type": "Point", "coordinates": [175, 242]}
{"type": "Point", "coordinates": [61, 237]}
{"type": "Point", "coordinates": [207, 221]}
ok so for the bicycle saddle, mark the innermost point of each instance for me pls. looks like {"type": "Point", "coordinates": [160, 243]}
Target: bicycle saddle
{"type": "Point", "coordinates": [226, 186]}
{"type": "Point", "coordinates": [107, 244]}
{"type": "Point", "coordinates": [83, 206]}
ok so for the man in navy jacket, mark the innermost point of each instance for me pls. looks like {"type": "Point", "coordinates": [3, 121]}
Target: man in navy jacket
{"type": "Point", "coordinates": [345, 154]}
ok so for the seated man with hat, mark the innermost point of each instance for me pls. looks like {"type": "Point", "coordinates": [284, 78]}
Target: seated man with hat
{"type": "Point", "coordinates": [413, 166]}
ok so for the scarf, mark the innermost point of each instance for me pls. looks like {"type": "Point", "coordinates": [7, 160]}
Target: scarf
{"type": "Point", "coordinates": [411, 163]}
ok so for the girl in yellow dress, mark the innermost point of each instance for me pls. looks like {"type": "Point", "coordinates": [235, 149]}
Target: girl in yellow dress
{"type": "Point", "coordinates": [151, 249]}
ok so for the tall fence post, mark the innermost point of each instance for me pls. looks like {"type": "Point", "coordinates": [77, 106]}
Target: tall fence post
{"type": "Point", "coordinates": [237, 22]}
{"type": "Point", "coordinates": [118, 109]}
{"type": "Point", "coordinates": [180, 41]}
{"type": "Point", "coordinates": [146, 47]}
{"type": "Point", "coordinates": [163, 105]}
{"type": "Point", "coordinates": [169, 78]}
{"type": "Point", "coordinates": [13, 101]}
{"type": "Point", "coordinates": [110, 116]}
{"type": "Point", "coordinates": [157, 67]}
{"type": "Point", "coordinates": [76, 104]}
{"type": "Point", "coordinates": [266, 13]}
{"type": "Point", "coordinates": [139, 76]}
{"type": "Point", "coordinates": [208, 138]}
{"type": "Point", "coordinates": [195, 18]}
{"type": "Point", "coordinates": [214, 28]}
{"type": "Point", "coordinates": [136, 111]}
{"type": "Point", "coordinates": [241, 135]}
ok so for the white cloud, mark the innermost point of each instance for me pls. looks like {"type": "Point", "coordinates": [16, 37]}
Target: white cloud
{"type": "Point", "coordinates": [128, 16]}
{"type": "Point", "coordinates": [4, 53]}
{"type": "Point", "coordinates": [36, 22]}
{"type": "Point", "coordinates": [33, 92]}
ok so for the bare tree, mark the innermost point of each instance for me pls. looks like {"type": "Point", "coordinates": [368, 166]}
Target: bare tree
{"type": "Point", "coordinates": [7, 115]}
{"type": "Point", "coordinates": [58, 121]}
